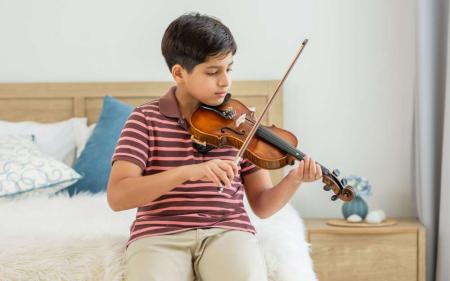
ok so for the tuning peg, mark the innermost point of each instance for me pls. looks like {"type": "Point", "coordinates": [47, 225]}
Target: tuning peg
{"type": "Point", "coordinates": [344, 182]}
{"type": "Point", "coordinates": [336, 172]}
{"type": "Point", "coordinates": [334, 197]}
{"type": "Point", "coordinates": [326, 188]}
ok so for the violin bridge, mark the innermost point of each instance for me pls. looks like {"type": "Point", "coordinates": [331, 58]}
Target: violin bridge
{"type": "Point", "coordinates": [240, 120]}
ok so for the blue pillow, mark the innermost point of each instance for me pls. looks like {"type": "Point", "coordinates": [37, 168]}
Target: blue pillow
{"type": "Point", "coordinates": [94, 163]}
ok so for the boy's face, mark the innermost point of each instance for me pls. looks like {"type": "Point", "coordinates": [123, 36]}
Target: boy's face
{"type": "Point", "coordinates": [209, 81]}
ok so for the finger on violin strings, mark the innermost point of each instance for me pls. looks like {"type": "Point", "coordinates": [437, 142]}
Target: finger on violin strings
{"type": "Point", "coordinates": [318, 171]}
{"type": "Point", "coordinates": [307, 165]}
{"type": "Point", "coordinates": [301, 168]}
{"type": "Point", "coordinates": [312, 167]}
{"type": "Point", "coordinates": [307, 160]}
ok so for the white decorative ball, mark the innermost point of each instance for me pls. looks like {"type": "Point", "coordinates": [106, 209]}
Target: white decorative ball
{"type": "Point", "coordinates": [354, 218]}
{"type": "Point", "coordinates": [376, 216]}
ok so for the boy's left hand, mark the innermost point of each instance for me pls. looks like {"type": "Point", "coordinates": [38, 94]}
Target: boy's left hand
{"type": "Point", "coordinates": [307, 171]}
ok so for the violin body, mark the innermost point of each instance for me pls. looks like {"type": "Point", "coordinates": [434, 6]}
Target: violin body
{"type": "Point", "coordinates": [229, 124]}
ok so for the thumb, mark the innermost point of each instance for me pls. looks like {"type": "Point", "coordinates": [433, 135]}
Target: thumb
{"type": "Point", "coordinates": [300, 169]}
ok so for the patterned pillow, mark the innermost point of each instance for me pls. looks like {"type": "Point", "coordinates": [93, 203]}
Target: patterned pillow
{"type": "Point", "coordinates": [26, 171]}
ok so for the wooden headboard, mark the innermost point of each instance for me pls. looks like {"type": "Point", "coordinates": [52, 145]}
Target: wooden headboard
{"type": "Point", "coordinates": [51, 102]}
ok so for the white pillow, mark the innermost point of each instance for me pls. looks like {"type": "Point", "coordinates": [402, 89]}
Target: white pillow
{"type": "Point", "coordinates": [55, 139]}
{"type": "Point", "coordinates": [26, 171]}
{"type": "Point", "coordinates": [83, 138]}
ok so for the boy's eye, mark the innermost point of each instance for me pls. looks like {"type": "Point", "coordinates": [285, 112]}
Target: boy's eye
{"type": "Point", "coordinates": [216, 72]}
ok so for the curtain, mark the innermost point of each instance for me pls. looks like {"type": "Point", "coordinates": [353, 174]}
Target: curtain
{"type": "Point", "coordinates": [432, 134]}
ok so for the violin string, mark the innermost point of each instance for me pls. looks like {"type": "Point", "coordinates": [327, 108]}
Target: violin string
{"type": "Point", "coordinates": [269, 136]}
{"type": "Point", "coordinates": [283, 145]}
{"type": "Point", "coordinates": [273, 138]}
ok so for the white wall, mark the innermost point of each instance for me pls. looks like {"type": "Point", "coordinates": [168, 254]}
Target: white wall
{"type": "Point", "coordinates": [353, 95]}
{"type": "Point", "coordinates": [348, 99]}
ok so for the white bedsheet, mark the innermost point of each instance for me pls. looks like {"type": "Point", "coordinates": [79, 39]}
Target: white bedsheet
{"type": "Point", "coordinates": [80, 238]}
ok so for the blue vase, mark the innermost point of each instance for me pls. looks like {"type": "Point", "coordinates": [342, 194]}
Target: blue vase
{"type": "Point", "coordinates": [357, 206]}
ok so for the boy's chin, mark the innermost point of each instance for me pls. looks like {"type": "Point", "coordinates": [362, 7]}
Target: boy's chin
{"type": "Point", "coordinates": [214, 102]}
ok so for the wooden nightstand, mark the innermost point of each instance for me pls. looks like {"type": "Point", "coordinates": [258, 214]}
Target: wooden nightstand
{"type": "Point", "coordinates": [385, 253]}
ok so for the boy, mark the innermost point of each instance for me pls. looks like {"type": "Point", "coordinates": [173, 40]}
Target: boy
{"type": "Point", "coordinates": [185, 229]}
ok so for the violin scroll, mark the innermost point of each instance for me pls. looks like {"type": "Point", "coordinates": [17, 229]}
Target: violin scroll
{"type": "Point", "coordinates": [340, 188]}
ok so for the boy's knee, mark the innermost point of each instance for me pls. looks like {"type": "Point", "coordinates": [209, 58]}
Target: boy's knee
{"type": "Point", "coordinates": [234, 255]}
{"type": "Point", "coordinates": [147, 261]}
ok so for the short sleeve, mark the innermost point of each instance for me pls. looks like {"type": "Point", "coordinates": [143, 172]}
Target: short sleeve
{"type": "Point", "coordinates": [133, 143]}
{"type": "Point", "coordinates": [248, 167]}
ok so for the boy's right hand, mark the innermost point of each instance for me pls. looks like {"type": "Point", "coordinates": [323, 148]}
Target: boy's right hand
{"type": "Point", "coordinates": [218, 171]}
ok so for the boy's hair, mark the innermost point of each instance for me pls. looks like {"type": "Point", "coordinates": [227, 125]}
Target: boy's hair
{"type": "Point", "coordinates": [192, 38]}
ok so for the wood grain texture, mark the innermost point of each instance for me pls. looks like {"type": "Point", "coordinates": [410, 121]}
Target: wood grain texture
{"type": "Point", "coordinates": [393, 252]}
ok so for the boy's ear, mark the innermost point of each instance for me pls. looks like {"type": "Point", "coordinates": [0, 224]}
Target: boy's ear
{"type": "Point", "coordinates": [178, 73]}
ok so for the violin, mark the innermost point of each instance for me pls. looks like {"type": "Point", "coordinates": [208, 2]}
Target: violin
{"type": "Point", "coordinates": [233, 124]}
{"type": "Point", "coordinates": [271, 147]}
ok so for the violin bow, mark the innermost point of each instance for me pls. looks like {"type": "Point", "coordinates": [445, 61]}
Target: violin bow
{"type": "Point", "coordinates": [330, 178]}
{"type": "Point", "coordinates": [252, 132]}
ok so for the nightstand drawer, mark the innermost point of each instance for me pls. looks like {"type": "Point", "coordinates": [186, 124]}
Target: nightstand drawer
{"type": "Point", "coordinates": [367, 254]}
{"type": "Point", "coordinates": [365, 257]}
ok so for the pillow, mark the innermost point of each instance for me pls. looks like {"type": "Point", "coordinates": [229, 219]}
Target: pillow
{"type": "Point", "coordinates": [83, 137]}
{"type": "Point", "coordinates": [55, 139]}
{"type": "Point", "coordinates": [26, 171]}
{"type": "Point", "coordinates": [94, 163]}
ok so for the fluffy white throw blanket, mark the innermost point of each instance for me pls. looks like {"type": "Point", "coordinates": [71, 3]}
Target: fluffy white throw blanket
{"type": "Point", "coordinates": [80, 238]}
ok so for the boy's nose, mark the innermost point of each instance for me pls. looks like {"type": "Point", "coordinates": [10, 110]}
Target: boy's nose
{"type": "Point", "coordinates": [224, 80]}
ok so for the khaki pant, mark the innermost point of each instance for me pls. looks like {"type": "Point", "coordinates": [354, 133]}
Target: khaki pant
{"type": "Point", "coordinates": [212, 254]}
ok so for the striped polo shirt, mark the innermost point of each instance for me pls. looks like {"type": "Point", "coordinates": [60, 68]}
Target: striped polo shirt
{"type": "Point", "coordinates": [156, 138]}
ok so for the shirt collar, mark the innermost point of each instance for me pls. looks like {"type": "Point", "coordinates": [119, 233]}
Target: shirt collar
{"type": "Point", "coordinates": [168, 104]}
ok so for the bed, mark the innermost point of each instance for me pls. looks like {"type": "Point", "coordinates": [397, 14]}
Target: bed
{"type": "Point", "coordinates": [54, 236]}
